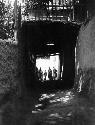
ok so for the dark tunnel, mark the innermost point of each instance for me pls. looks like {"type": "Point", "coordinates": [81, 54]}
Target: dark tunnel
{"type": "Point", "coordinates": [33, 37]}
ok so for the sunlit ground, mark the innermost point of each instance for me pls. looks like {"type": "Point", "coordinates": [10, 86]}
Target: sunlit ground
{"type": "Point", "coordinates": [63, 108]}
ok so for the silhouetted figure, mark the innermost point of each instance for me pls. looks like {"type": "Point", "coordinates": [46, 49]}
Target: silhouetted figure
{"type": "Point", "coordinates": [40, 74]}
{"type": "Point", "coordinates": [54, 73]}
{"type": "Point", "coordinates": [50, 74]}
{"type": "Point", "coordinates": [45, 75]}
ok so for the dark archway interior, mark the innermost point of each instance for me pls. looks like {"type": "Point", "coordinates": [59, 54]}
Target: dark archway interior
{"type": "Point", "coordinates": [33, 37]}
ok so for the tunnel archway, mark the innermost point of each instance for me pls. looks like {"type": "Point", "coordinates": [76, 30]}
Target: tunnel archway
{"type": "Point", "coordinates": [33, 37]}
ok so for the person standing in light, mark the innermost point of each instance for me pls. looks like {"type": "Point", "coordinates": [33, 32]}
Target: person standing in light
{"type": "Point", "coordinates": [50, 73]}
{"type": "Point", "coordinates": [45, 75]}
{"type": "Point", "coordinates": [54, 73]}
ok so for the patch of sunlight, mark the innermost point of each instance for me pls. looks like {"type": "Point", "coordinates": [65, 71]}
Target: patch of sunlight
{"type": "Point", "coordinates": [46, 96]}
{"type": "Point", "coordinates": [69, 114]}
{"type": "Point", "coordinates": [34, 111]}
{"type": "Point", "coordinates": [37, 111]}
{"type": "Point", "coordinates": [60, 100]}
{"type": "Point", "coordinates": [38, 105]}
{"type": "Point", "coordinates": [63, 99]}
{"type": "Point", "coordinates": [55, 115]}
{"type": "Point", "coordinates": [80, 84]}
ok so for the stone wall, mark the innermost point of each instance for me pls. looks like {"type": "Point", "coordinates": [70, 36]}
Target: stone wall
{"type": "Point", "coordinates": [86, 40]}
{"type": "Point", "coordinates": [85, 60]}
{"type": "Point", "coordinates": [9, 61]}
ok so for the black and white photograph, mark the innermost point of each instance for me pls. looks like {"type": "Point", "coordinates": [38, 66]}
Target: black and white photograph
{"type": "Point", "coordinates": [47, 65]}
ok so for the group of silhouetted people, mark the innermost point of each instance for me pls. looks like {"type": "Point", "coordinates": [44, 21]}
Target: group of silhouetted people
{"type": "Point", "coordinates": [51, 74]}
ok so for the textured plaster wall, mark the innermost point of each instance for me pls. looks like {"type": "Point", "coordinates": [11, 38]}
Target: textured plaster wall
{"type": "Point", "coordinates": [86, 43]}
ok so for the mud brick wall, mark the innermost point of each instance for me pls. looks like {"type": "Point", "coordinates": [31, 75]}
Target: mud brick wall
{"type": "Point", "coordinates": [87, 45]}
{"type": "Point", "coordinates": [85, 57]}
{"type": "Point", "coordinates": [9, 61]}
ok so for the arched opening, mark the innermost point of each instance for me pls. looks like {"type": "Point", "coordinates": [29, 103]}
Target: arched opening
{"type": "Point", "coordinates": [48, 44]}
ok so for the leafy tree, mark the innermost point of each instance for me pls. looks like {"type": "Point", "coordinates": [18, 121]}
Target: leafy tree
{"type": "Point", "coordinates": [2, 13]}
{"type": "Point", "coordinates": [6, 19]}
{"type": "Point", "coordinates": [38, 6]}
{"type": "Point", "coordinates": [34, 5]}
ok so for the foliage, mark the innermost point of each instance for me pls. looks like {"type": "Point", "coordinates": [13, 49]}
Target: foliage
{"type": "Point", "coordinates": [8, 65]}
{"type": "Point", "coordinates": [43, 5]}
{"type": "Point", "coordinates": [2, 12]}
{"type": "Point", "coordinates": [36, 5]}
{"type": "Point", "coordinates": [6, 20]}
